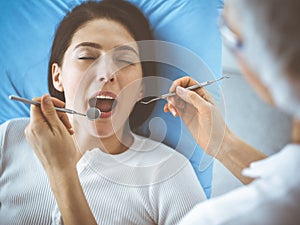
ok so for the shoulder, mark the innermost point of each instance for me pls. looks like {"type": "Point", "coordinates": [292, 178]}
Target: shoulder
{"type": "Point", "coordinates": [285, 163]}
{"type": "Point", "coordinates": [14, 124]}
{"type": "Point", "coordinates": [162, 161]}
{"type": "Point", "coordinates": [18, 122]}
{"type": "Point", "coordinates": [12, 130]}
{"type": "Point", "coordinates": [291, 149]}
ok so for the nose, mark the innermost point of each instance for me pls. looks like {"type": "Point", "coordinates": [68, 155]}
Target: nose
{"type": "Point", "coordinates": [107, 78]}
{"type": "Point", "coordinates": [105, 70]}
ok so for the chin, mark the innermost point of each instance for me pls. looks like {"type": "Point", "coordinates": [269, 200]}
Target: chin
{"type": "Point", "coordinates": [102, 130]}
{"type": "Point", "coordinates": [266, 97]}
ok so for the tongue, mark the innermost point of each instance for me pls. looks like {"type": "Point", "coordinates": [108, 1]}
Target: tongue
{"type": "Point", "coordinates": [104, 105]}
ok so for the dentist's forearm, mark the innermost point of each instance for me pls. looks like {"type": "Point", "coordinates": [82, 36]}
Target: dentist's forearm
{"type": "Point", "coordinates": [237, 155]}
{"type": "Point", "coordinates": [296, 131]}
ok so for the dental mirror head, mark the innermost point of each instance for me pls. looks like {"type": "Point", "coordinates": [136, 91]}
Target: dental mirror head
{"type": "Point", "coordinates": [93, 113]}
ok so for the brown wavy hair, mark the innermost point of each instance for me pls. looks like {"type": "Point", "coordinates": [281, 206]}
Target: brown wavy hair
{"type": "Point", "coordinates": [119, 11]}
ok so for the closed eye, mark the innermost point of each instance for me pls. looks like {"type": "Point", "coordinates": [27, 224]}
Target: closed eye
{"type": "Point", "coordinates": [87, 58]}
{"type": "Point", "coordinates": [124, 61]}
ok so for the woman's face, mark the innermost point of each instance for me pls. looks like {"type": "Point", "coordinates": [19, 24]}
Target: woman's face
{"type": "Point", "coordinates": [100, 69]}
{"type": "Point", "coordinates": [231, 18]}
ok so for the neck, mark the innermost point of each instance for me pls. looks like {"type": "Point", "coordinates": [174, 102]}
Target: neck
{"type": "Point", "coordinates": [115, 144]}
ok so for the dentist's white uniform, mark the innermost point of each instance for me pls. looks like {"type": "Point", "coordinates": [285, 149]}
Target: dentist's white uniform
{"type": "Point", "coordinates": [272, 199]}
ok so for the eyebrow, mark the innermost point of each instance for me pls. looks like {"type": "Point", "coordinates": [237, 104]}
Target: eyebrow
{"type": "Point", "coordinates": [97, 46]}
{"type": "Point", "coordinates": [126, 47]}
{"type": "Point", "coordinates": [88, 44]}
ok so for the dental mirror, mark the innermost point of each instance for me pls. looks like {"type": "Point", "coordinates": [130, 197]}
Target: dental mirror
{"type": "Point", "coordinates": [93, 113]}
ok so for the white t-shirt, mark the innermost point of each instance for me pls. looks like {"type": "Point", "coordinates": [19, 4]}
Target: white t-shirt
{"type": "Point", "coordinates": [272, 199]}
{"type": "Point", "coordinates": [149, 183]}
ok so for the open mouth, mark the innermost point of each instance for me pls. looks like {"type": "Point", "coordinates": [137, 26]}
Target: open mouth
{"type": "Point", "coordinates": [105, 103]}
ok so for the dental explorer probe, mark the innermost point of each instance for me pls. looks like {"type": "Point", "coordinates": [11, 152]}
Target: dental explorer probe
{"type": "Point", "coordinates": [93, 113]}
{"type": "Point", "coordinates": [27, 101]}
{"type": "Point", "coordinates": [198, 85]}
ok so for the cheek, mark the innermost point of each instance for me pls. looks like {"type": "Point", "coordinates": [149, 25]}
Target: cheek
{"type": "Point", "coordinates": [69, 80]}
{"type": "Point", "coordinates": [73, 84]}
{"type": "Point", "coordinates": [255, 82]}
{"type": "Point", "coordinates": [73, 72]}
{"type": "Point", "coordinates": [130, 79]}
{"type": "Point", "coordinates": [130, 82]}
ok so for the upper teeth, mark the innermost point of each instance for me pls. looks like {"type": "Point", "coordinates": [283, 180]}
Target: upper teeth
{"type": "Point", "coordinates": [104, 96]}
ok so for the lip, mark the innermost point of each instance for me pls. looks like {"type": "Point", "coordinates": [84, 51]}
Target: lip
{"type": "Point", "coordinates": [105, 93]}
{"type": "Point", "coordinates": [104, 115]}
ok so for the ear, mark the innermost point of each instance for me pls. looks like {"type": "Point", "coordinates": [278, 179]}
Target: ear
{"type": "Point", "coordinates": [56, 77]}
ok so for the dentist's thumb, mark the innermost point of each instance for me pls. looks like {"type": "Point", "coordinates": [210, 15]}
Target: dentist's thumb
{"type": "Point", "coordinates": [49, 110]}
{"type": "Point", "coordinates": [190, 97]}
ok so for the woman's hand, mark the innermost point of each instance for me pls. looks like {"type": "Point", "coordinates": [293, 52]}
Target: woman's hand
{"type": "Point", "coordinates": [200, 113]}
{"type": "Point", "coordinates": [49, 133]}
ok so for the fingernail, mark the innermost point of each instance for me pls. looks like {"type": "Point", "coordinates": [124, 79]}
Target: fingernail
{"type": "Point", "coordinates": [173, 112]}
{"type": "Point", "coordinates": [47, 100]}
{"type": "Point", "coordinates": [71, 131]}
{"type": "Point", "coordinates": [180, 90]}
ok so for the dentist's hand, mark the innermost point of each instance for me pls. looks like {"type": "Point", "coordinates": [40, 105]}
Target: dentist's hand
{"type": "Point", "coordinates": [49, 133]}
{"type": "Point", "coordinates": [200, 114]}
